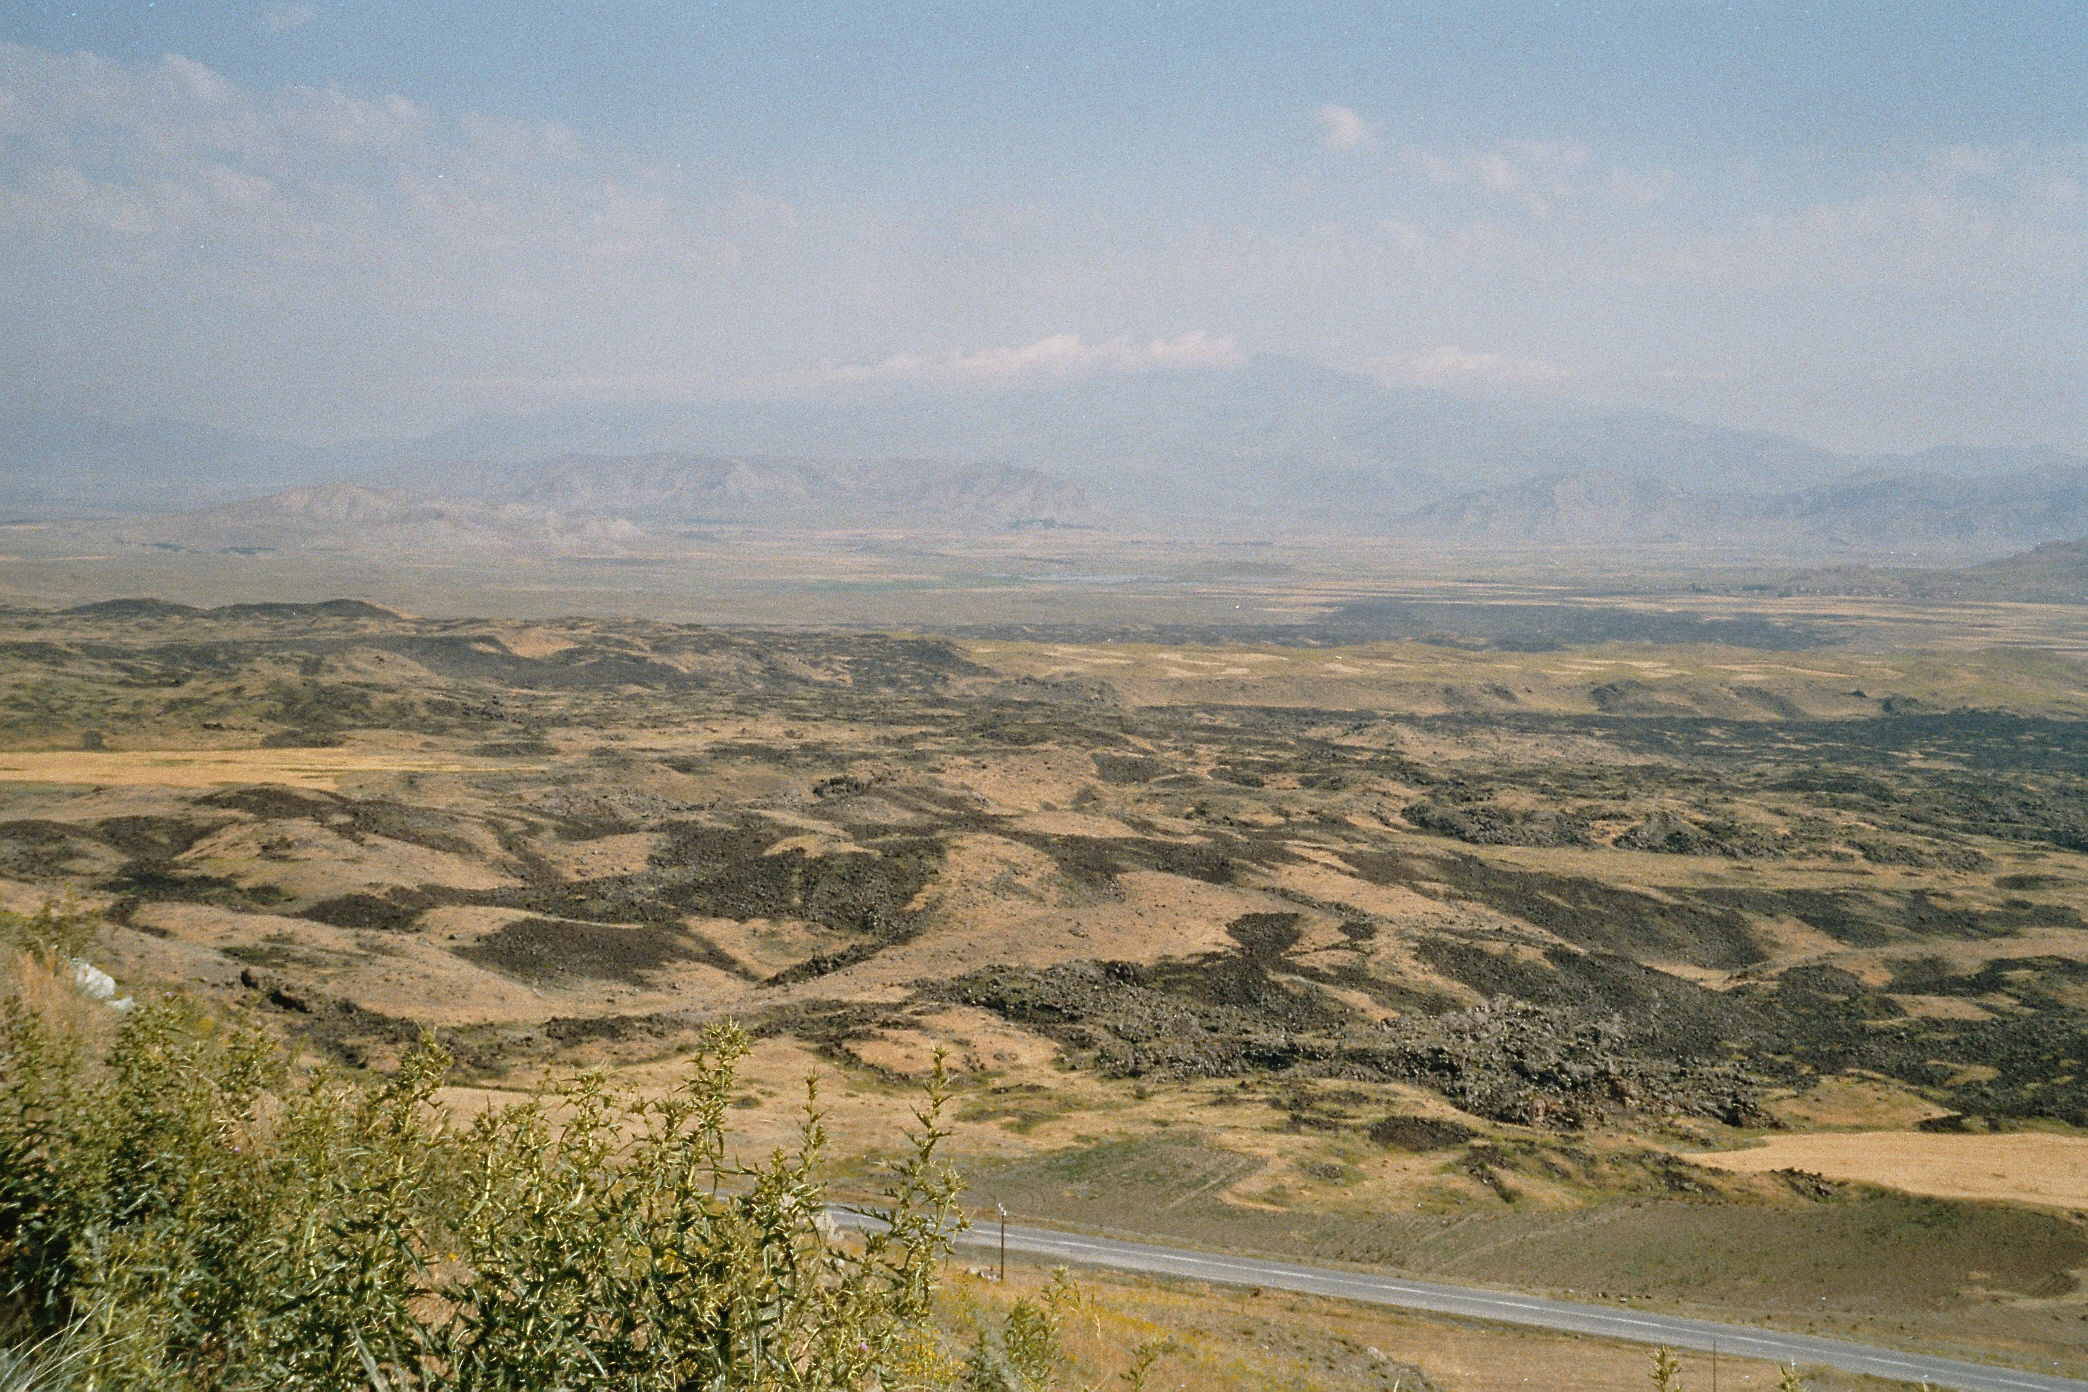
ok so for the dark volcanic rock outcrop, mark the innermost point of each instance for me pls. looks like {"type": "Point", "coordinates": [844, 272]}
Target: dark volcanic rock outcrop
{"type": "Point", "coordinates": [1508, 1060]}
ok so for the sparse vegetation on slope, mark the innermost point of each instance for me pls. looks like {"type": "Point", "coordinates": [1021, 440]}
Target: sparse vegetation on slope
{"type": "Point", "coordinates": [1574, 906]}
{"type": "Point", "coordinates": [176, 1211]}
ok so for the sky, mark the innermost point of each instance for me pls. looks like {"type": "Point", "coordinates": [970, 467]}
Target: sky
{"type": "Point", "coordinates": [1862, 224]}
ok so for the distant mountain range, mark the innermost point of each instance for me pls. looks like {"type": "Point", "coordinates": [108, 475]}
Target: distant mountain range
{"type": "Point", "coordinates": [1253, 430]}
{"type": "Point", "coordinates": [1865, 511]}
{"type": "Point", "coordinates": [1274, 446]}
{"type": "Point", "coordinates": [64, 462]}
{"type": "Point", "coordinates": [596, 505]}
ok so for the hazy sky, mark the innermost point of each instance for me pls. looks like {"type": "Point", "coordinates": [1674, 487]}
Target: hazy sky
{"type": "Point", "coordinates": [1865, 224]}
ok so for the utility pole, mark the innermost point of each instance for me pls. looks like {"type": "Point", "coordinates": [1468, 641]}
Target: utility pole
{"type": "Point", "coordinates": [1004, 1248]}
{"type": "Point", "coordinates": [1714, 1365]}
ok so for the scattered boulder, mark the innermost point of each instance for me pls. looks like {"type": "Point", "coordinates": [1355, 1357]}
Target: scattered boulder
{"type": "Point", "coordinates": [1559, 1068]}
{"type": "Point", "coordinates": [1491, 824]}
{"type": "Point", "coordinates": [1419, 1134]}
{"type": "Point", "coordinates": [1670, 833]}
{"type": "Point", "coordinates": [1059, 691]}
{"type": "Point", "coordinates": [1807, 1185]}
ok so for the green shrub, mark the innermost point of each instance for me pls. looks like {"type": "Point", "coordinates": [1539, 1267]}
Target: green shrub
{"type": "Point", "coordinates": [54, 1365]}
{"type": "Point", "coordinates": [177, 1218]}
{"type": "Point", "coordinates": [1024, 1353]}
{"type": "Point", "coordinates": [53, 934]}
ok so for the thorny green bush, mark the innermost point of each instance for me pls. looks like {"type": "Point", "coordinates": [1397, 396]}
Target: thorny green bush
{"type": "Point", "coordinates": [53, 934]}
{"type": "Point", "coordinates": [174, 1215]}
{"type": "Point", "coordinates": [1024, 1354]}
{"type": "Point", "coordinates": [51, 1365]}
{"type": "Point", "coordinates": [1666, 1375]}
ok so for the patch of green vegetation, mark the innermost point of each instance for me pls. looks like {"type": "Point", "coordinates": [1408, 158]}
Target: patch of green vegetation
{"type": "Point", "coordinates": [175, 1214]}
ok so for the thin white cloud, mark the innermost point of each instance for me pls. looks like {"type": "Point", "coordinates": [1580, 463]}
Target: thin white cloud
{"type": "Point", "coordinates": [168, 165]}
{"type": "Point", "coordinates": [280, 19]}
{"type": "Point", "coordinates": [1539, 174]}
{"type": "Point", "coordinates": [1342, 129]}
{"type": "Point", "coordinates": [1056, 358]}
{"type": "Point", "coordinates": [1451, 366]}
{"type": "Point", "coordinates": [1639, 188]}
{"type": "Point", "coordinates": [1962, 217]}
{"type": "Point", "coordinates": [273, 258]}
{"type": "Point", "coordinates": [149, 209]}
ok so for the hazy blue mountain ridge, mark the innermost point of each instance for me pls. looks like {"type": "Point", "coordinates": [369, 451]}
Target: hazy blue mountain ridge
{"type": "Point", "coordinates": [65, 461]}
{"type": "Point", "coordinates": [1867, 511]}
{"type": "Point", "coordinates": [607, 505]}
{"type": "Point", "coordinates": [1229, 427]}
{"type": "Point", "coordinates": [1270, 447]}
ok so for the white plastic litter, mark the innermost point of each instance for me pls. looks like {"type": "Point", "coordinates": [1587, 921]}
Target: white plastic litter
{"type": "Point", "coordinates": [97, 985]}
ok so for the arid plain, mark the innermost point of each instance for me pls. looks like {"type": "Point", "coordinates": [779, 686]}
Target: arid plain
{"type": "Point", "coordinates": [1671, 936]}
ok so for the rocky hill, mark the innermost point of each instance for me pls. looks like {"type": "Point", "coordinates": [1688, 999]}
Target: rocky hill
{"type": "Point", "coordinates": [1268, 425]}
{"type": "Point", "coordinates": [1269, 447]}
{"type": "Point", "coordinates": [1866, 511]}
{"type": "Point", "coordinates": [2061, 565]}
{"type": "Point", "coordinates": [2053, 573]}
{"type": "Point", "coordinates": [593, 505]}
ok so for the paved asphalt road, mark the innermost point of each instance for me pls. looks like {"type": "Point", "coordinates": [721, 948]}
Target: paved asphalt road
{"type": "Point", "coordinates": [1637, 1326]}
